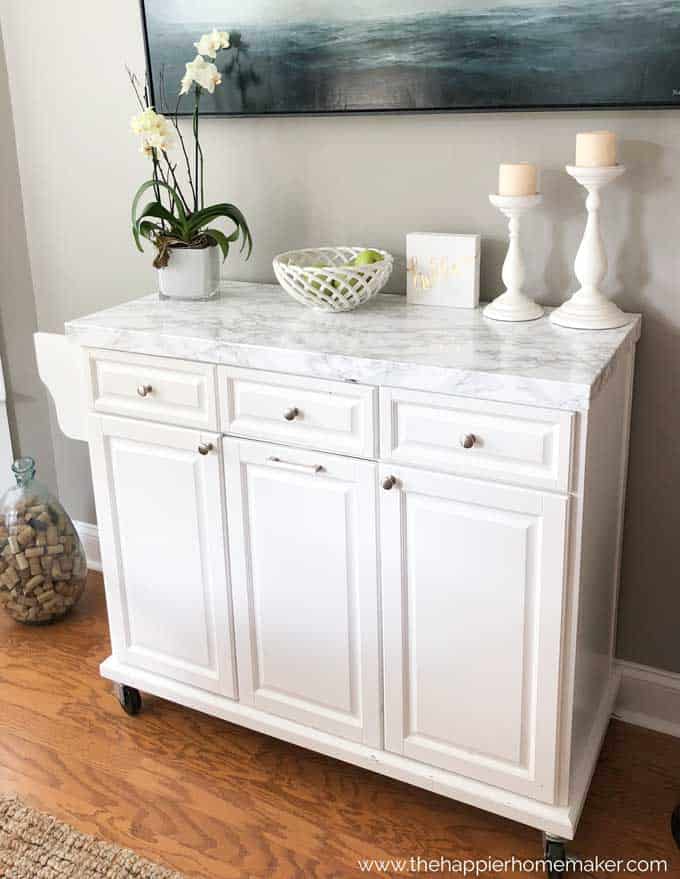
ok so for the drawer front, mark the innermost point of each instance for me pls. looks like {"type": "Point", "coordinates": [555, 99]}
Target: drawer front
{"type": "Point", "coordinates": [523, 444]}
{"type": "Point", "coordinates": [326, 415]}
{"type": "Point", "coordinates": [153, 388]}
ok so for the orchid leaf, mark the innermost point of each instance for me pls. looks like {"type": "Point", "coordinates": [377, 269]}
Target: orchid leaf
{"type": "Point", "coordinates": [149, 230]}
{"type": "Point", "coordinates": [156, 209]}
{"type": "Point", "coordinates": [159, 211]}
{"type": "Point", "coordinates": [183, 227]}
{"type": "Point", "coordinates": [199, 219]}
{"type": "Point", "coordinates": [220, 239]}
{"type": "Point", "coordinates": [205, 215]}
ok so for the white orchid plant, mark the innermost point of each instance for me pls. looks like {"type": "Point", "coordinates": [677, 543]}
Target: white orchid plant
{"type": "Point", "coordinates": [173, 219]}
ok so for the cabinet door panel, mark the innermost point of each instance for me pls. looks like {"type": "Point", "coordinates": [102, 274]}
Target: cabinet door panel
{"type": "Point", "coordinates": [472, 627]}
{"type": "Point", "coordinates": [304, 569]}
{"type": "Point", "coordinates": [161, 521]}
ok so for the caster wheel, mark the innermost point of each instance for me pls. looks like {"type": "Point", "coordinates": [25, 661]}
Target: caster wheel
{"type": "Point", "coordinates": [130, 700]}
{"type": "Point", "coordinates": [675, 825]}
{"type": "Point", "coordinates": [555, 853]}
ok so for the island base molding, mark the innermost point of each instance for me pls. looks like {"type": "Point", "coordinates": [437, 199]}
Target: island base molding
{"type": "Point", "coordinates": [558, 821]}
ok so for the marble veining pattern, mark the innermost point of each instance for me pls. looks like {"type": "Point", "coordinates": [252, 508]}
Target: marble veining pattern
{"type": "Point", "coordinates": [385, 342]}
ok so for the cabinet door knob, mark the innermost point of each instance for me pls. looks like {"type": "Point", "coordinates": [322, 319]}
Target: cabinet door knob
{"type": "Point", "coordinates": [144, 390]}
{"type": "Point", "coordinates": [468, 440]}
{"type": "Point", "coordinates": [291, 414]}
{"type": "Point", "coordinates": [204, 448]}
{"type": "Point", "coordinates": [389, 482]}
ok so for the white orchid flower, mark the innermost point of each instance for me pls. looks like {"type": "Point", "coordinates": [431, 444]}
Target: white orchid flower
{"type": "Point", "coordinates": [154, 129]}
{"type": "Point", "coordinates": [145, 121]}
{"type": "Point", "coordinates": [157, 140]}
{"type": "Point", "coordinates": [210, 44]}
{"type": "Point", "coordinates": [203, 73]}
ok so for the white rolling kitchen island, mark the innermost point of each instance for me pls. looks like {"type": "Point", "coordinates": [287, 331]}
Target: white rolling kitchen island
{"type": "Point", "coordinates": [391, 535]}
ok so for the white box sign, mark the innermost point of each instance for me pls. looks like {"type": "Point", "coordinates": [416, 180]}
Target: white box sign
{"type": "Point", "coordinates": [442, 269]}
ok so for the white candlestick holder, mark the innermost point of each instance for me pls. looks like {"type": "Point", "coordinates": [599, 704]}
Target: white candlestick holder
{"type": "Point", "coordinates": [589, 308]}
{"type": "Point", "coordinates": [514, 305]}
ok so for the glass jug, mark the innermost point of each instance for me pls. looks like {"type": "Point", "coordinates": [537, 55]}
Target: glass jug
{"type": "Point", "coordinates": [42, 562]}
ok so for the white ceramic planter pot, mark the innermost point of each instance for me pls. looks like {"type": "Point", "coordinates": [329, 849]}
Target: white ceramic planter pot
{"type": "Point", "coordinates": [190, 274]}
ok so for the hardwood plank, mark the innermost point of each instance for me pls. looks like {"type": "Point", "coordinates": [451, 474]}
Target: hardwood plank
{"type": "Point", "coordinates": [218, 801]}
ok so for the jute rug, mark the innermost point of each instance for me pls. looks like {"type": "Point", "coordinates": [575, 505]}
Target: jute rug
{"type": "Point", "coordinates": [36, 846]}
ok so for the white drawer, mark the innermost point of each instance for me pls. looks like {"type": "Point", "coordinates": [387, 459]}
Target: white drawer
{"type": "Point", "coordinates": [325, 415]}
{"type": "Point", "coordinates": [522, 444]}
{"type": "Point", "coordinates": [154, 388]}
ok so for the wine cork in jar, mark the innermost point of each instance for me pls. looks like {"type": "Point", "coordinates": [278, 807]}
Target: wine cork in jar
{"type": "Point", "coordinates": [517, 179]}
{"type": "Point", "coordinates": [595, 149]}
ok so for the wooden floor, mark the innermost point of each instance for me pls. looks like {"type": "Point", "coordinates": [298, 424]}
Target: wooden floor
{"type": "Point", "coordinates": [214, 800]}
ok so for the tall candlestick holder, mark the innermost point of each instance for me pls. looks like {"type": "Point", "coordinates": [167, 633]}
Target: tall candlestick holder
{"type": "Point", "coordinates": [589, 308]}
{"type": "Point", "coordinates": [514, 305]}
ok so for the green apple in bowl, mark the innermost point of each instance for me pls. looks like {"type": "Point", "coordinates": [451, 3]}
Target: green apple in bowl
{"type": "Point", "coordinates": [316, 281]}
{"type": "Point", "coordinates": [366, 258]}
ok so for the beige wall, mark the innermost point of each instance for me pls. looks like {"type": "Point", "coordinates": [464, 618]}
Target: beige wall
{"type": "Point", "coordinates": [366, 179]}
{"type": "Point", "coordinates": [27, 399]}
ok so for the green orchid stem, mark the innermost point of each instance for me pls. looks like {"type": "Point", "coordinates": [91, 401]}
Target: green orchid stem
{"type": "Point", "coordinates": [197, 178]}
{"type": "Point", "coordinates": [171, 170]}
{"type": "Point", "coordinates": [200, 152]}
{"type": "Point", "coordinates": [157, 191]}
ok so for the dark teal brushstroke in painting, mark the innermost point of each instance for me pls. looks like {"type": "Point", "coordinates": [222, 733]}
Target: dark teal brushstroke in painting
{"type": "Point", "coordinates": [563, 54]}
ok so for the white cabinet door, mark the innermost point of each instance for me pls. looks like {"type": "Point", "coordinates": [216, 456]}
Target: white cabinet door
{"type": "Point", "coordinates": [161, 525]}
{"type": "Point", "coordinates": [472, 578]}
{"type": "Point", "coordinates": [302, 531]}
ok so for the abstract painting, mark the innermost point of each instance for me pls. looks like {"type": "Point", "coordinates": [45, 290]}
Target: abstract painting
{"type": "Point", "coordinates": [332, 56]}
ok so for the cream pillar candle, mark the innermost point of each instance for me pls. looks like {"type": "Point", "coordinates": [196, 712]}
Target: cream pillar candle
{"type": "Point", "coordinates": [517, 179]}
{"type": "Point", "coordinates": [595, 149]}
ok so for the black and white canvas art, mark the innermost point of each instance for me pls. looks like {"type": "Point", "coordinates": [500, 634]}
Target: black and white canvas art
{"type": "Point", "coordinates": [330, 56]}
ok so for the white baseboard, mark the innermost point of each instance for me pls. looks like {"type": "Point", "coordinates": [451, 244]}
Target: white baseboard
{"type": "Point", "coordinates": [89, 537]}
{"type": "Point", "coordinates": [648, 697]}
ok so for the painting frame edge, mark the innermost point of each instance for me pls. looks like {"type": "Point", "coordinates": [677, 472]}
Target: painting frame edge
{"type": "Point", "coordinates": [434, 111]}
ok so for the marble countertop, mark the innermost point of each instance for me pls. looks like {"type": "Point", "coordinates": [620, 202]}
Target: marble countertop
{"type": "Point", "coordinates": [385, 342]}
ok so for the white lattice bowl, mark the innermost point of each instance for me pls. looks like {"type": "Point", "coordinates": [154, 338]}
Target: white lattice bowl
{"type": "Point", "coordinates": [336, 286]}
